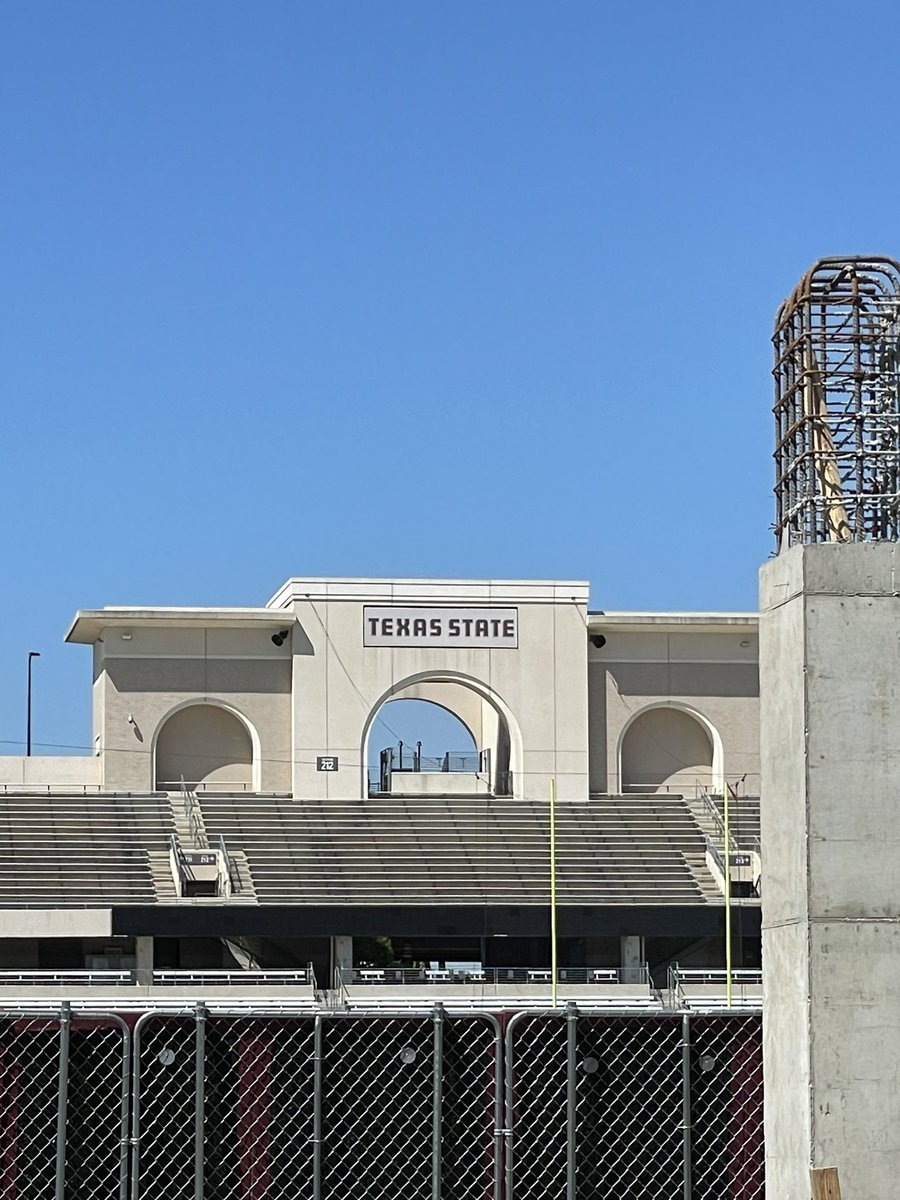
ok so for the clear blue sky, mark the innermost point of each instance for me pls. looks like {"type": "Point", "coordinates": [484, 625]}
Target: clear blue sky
{"type": "Point", "coordinates": [470, 289]}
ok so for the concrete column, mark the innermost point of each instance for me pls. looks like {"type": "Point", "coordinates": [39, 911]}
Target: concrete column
{"type": "Point", "coordinates": [143, 960]}
{"type": "Point", "coordinates": [631, 958]}
{"type": "Point", "coordinates": [830, 731]}
{"type": "Point", "coordinates": [341, 955]}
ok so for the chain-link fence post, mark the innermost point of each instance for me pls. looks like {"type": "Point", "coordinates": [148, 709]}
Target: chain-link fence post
{"type": "Point", "coordinates": [317, 1108]}
{"type": "Point", "coordinates": [509, 1107]}
{"type": "Point", "coordinates": [437, 1018]}
{"type": "Point", "coordinates": [571, 1098]}
{"type": "Point", "coordinates": [687, 1180]}
{"type": "Point", "coordinates": [124, 1105]}
{"type": "Point", "coordinates": [136, 1110]}
{"type": "Point", "coordinates": [62, 1108]}
{"type": "Point", "coordinates": [199, 1097]}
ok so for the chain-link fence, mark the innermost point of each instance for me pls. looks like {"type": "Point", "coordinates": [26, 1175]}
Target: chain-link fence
{"type": "Point", "coordinates": [634, 1106]}
{"type": "Point", "coordinates": [205, 1105]}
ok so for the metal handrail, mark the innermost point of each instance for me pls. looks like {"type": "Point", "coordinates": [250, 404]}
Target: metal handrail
{"type": "Point", "coordinates": [70, 790]}
{"type": "Point", "coordinates": [716, 975]}
{"type": "Point", "coordinates": [194, 817]}
{"type": "Point", "coordinates": [180, 861]}
{"type": "Point", "coordinates": [213, 976]}
{"type": "Point", "coordinates": [174, 978]}
{"type": "Point", "coordinates": [719, 821]}
{"type": "Point", "coordinates": [636, 976]}
{"type": "Point", "coordinates": [40, 978]}
{"type": "Point", "coordinates": [234, 878]}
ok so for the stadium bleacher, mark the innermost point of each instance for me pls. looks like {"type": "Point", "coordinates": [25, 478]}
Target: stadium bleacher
{"type": "Point", "coordinates": [385, 850]}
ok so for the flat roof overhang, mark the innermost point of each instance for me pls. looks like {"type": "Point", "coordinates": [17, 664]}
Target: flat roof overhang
{"type": "Point", "coordinates": [89, 623]}
{"type": "Point", "coordinates": [673, 622]}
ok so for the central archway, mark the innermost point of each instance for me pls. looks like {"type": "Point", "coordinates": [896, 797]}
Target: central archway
{"type": "Point", "coordinates": [478, 707]}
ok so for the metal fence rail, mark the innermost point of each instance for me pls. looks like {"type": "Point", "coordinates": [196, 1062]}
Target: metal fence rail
{"type": "Point", "coordinates": [203, 1104]}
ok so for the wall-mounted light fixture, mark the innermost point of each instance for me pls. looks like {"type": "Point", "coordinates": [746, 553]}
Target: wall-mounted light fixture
{"type": "Point", "coordinates": [281, 637]}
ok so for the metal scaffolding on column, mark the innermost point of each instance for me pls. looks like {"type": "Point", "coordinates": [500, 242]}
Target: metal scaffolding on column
{"type": "Point", "coordinates": [837, 404]}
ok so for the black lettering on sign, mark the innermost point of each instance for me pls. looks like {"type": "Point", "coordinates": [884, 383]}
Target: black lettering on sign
{"type": "Point", "coordinates": [435, 624]}
{"type": "Point", "coordinates": [495, 627]}
{"type": "Point", "coordinates": [403, 627]}
{"type": "Point", "coordinates": [481, 628]}
{"type": "Point", "coordinates": [387, 626]}
{"type": "Point", "coordinates": [453, 627]}
{"type": "Point", "coordinates": [509, 628]}
{"type": "Point", "coordinates": [467, 626]}
{"type": "Point", "coordinates": [373, 626]}
{"type": "Point", "coordinates": [420, 627]}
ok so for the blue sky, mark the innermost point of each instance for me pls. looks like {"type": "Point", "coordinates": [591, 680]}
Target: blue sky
{"type": "Point", "coordinates": [407, 288]}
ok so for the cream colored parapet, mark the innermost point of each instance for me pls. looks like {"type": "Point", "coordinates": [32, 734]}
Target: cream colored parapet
{"type": "Point", "coordinates": [430, 591]}
{"type": "Point", "coordinates": [50, 773]}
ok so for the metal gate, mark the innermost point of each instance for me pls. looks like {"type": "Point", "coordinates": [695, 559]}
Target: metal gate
{"type": "Point", "coordinates": [208, 1105]}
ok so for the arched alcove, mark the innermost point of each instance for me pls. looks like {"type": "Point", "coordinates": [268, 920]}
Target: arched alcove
{"type": "Point", "coordinates": [493, 741]}
{"type": "Point", "coordinates": [669, 748]}
{"type": "Point", "coordinates": [206, 745]}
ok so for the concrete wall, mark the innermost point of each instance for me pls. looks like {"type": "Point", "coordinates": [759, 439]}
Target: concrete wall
{"type": "Point", "coordinates": [710, 673]}
{"type": "Point", "coordinates": [666, 750]}
{"type": "Point", "coordinates": [830, 689]}
{"type": "Point", "coordinates": [553, 706]}
{"type": "Point", "coordinates": [540, 687]}
{"type": "Point", "coordinates": [39, 770]}
{"type": "Point", "coordinates": [156, 671]}
{"type": "Point", "coordinates": [204, 745]}
{"type": "Point", "coordinates": [55, 922]}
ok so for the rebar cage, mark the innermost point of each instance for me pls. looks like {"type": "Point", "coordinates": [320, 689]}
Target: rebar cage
{"type": "Point", "coordinates": [837, 416]}
{"type": "Point", "coordinates": [209, 1105]}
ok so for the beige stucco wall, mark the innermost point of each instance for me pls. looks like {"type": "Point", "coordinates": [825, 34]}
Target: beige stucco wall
{"type": "Point", "coordinates": [710, 673]}
{"type": "Point", "coordinates": [666, 749]}
{"type": "Point", "coordinates": [204, 745]}
{"type": "Point", "coordinates": [339, 683]}
{"type": "Point", "coordinates": [73, 771]}
{"type": "Point", "coordinates": [565, 701]}
{"type": "Point", "coordinates": [155, 671]}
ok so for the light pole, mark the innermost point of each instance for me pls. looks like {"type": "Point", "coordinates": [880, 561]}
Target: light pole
{"type": "Point", "coordinates": [31, 654]}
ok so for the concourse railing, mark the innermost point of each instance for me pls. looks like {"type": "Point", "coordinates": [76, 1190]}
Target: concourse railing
{"type": "Point", "coordinates": [637, 976]}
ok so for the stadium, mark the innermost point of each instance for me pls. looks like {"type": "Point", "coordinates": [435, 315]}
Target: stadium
{"type": "Point", "coordinates": [256, 946]}
{"type": "Point", "coordinates": [240, 840]}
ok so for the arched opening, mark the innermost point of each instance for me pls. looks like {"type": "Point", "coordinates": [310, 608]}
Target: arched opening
{"type": "Point", "coordinates": [423, 736]}
{"type": "Point", "coordinates": [207, 746]}
{"type": "Point", "coordinates": [666, 748]}
{"type": "Point", "coordinates": [457, 738]}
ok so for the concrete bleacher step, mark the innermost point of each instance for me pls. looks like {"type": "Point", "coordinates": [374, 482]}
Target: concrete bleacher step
{"type": "Point", "coordinates": [161, 874]}
{"type": "Point", "coordinates": [83, 850]}
{"type": "Point", "coordinates": [384, 850]}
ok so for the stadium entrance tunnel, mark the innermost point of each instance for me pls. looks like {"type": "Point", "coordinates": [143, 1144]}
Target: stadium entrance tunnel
{"type": "Point", "coordinates": [439, 736]}
{"type": "Point", "coordinates": [205, 745]}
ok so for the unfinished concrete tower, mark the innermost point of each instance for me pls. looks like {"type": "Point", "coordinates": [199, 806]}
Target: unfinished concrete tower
{"type": "Point", "coordinates": [830, 730]}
